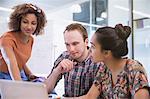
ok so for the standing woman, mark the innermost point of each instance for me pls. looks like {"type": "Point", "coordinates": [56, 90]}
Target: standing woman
{"type": "Point", "coordinates": [120, 77]}
{"type": "Point", "coordinates": [16, 45]}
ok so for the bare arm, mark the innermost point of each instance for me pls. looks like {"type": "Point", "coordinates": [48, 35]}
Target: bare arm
{"type": "Point", "coordinates": [27, 70]}
{"type": "Point", "coordinates": [64, 66]}
{"type": "Point", "coordinates": [142, 93]}
{"type": "Point", "coordinates": [10, 59]}
{"type": "Point", "coordinates": [29, 73]}
{"type": "Point", "coordinates": [51, 80]}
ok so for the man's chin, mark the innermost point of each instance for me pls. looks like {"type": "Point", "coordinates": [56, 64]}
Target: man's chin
{"type": "Point", "coordinates": [73, 57]}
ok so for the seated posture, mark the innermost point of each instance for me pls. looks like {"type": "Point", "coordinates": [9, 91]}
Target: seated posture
{"type": "Point", "coordinates": [120, 77]}
{"type": "Point", "coordinates": [75, 64]}
{"type": "Point", "coordinates": [16, 45]}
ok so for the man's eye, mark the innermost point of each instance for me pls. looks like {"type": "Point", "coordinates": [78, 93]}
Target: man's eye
{"type": "Point", "coordinates": [67, 44]}
{"type": "Point", "coordinates": [74, 43]}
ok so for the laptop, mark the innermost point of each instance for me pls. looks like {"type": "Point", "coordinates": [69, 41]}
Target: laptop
{"type": "Point", "coordinates": [22, 90]}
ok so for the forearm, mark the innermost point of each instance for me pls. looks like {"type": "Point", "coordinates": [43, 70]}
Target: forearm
{"type": "Point", "coordinates": [14, 73]}
{"type": "Point", "coordinates": [27, 71]}
{"type": "Point", "coordinates": [13, 68]}
{"type": "Point", "coordinates": [51, 80]}
{"type": "Point", "coordinates": [11, 62]}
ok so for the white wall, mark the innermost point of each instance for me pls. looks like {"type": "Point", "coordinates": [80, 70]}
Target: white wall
{"type": "Point", "coordinates": [49, 46]}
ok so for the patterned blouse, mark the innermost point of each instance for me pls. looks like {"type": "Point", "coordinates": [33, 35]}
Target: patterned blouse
{"type": "Point", "coordinates": [131, 79]}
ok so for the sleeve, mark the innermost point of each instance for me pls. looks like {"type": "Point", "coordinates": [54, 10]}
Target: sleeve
{"type": "Point", "coordinates": [138, 79]}
{"type": "Point", "coordinates": [97, 67]}
{"type": "Point", "coordinates": [101, 76]}
{"type": "Point", "coordinates": [7, 42]}
{"type": "Point", "coordinates": [97, 81]}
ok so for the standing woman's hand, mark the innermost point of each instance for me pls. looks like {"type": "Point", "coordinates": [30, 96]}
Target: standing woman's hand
{"type": "Point", "coordinates": [32, 77]}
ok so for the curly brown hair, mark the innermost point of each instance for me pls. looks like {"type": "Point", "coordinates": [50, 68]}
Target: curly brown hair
{"type": "Point", "coordinates": [21, 11]}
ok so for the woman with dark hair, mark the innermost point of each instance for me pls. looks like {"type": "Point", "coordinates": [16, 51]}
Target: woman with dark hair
{"type": "Point", "coordinates": [120, 77]}
{"type": "Point", "coordinates": [16, 45]}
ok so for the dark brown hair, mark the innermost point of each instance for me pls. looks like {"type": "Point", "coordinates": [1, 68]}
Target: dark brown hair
{"type": "Point", "coordinates": [79, 27]}
{"type": "Point", "coordinates": [114, 39]}
{"type": "Point", "coordinates": [21, 11]}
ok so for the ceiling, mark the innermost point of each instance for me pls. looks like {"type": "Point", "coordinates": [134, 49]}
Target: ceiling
{"type": "Point", "coordinates": [46, 5]}
{"type": "Point", "coordinates": [53, 5]}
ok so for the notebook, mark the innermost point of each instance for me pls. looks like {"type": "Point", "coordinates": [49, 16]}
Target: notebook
{"type": "Point", "coordinates": [22, 90]}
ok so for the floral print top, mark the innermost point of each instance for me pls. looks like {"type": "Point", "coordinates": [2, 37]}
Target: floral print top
{"type": "Point", "coordinates": [131, 79]}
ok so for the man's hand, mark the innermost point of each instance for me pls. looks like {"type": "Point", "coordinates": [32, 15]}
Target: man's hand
{"type": "Point", "coordinates": [64, 66]}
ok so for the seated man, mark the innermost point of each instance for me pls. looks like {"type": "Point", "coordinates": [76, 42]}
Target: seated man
{"type": "Point", "coordinates": [75, 64]}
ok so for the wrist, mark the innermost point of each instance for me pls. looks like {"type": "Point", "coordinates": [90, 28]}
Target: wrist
{"type": "Point", "coordinates": [56, 71]}
{"type": "Point", "coordinates": [30, 75]}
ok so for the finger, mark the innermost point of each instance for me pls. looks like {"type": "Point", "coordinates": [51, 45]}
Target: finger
{"type": "Point", "coordinates": [67, 64]}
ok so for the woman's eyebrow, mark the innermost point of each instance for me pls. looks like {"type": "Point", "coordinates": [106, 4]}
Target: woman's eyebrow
{"type": "Point", "coordinates": [92, 43]}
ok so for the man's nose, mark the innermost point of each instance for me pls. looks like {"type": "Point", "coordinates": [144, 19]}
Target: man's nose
{"type": "Point", "coordinates": [72, 48]}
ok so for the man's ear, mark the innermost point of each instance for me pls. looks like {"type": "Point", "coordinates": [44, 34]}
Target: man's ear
{"type": "Point", "coordinates": [86, 41]}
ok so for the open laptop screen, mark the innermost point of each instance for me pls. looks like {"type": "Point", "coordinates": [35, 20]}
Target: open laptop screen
{"type": "Point", "coordinates": [22, 90]}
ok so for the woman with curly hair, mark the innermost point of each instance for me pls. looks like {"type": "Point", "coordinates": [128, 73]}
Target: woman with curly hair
{"type": "Point", "coordinates": [16, 45]}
